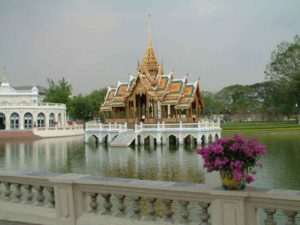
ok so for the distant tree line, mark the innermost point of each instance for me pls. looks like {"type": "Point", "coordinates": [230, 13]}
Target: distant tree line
{"type": "Point", "coordinates": [276, 98]}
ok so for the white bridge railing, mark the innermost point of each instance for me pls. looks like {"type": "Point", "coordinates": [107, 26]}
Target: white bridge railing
{"type": "Point", "coordinates": [114, 127]}
{"type": "Point", "coordinates": [91, 200]}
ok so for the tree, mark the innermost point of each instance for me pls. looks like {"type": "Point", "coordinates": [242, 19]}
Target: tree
{"type": "Point", "coordinates": [80, 108]}
{"type": "Point", "coordinates": [212, 105]}
{"type": "Point", "coordinates": [87, 107]}
{"type": "Point", "coordinates": [59, 92]}
{"type": "Point", "coordinates": [96, 98]}
{"type": "Point", "coordinates": [284, 69]}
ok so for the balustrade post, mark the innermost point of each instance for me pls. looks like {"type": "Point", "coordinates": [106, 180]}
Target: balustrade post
{"type": "Point", "coordinates": [199, 125]}
{"type": "Point", "coordinates": [29, 197]}
{"type": "Point", "coordinates": [291, 216]}
{"type": "Point", "coordinates": [125, 124]}
{"type": "Point", "coordinates": [180, 125]}
{"type": "Point", "coordinates": [158, 125]}
{"type": "Point", "coordinates": [270, 216]}
{"type": "Point", "coordinates": [204, 216]}
{"type": "Point", "coordinates": [141, 125]}
{"type": "Point", "coordinates": [168, 209]}
{"type": "Point", "coordinates": [109, 126]}
{"type": "Point", "coordinates": [121, 206]}
{"type": "Point", "coordinates": [151, 209]}
{"type": "Point", "coordinates": [100, 126]}
{"type": "Point", "coordinates": [93, 202]}
{"type": "Point", "coordinates": [7, 191]}
{"type": "Point", "coordinates": [136, 207]}
{"type": "Point", "coordinates": [163, 125]}
{"type": "Point", "coordinates": [40, 196]}
{"type": "Point", "coordinates": [184, 211]}
{"type": "Point", "coordinates": [18, 193]}
{"type": "Point", "coordinates": [51, 197]}
{"type": "Point", "coordinates": [107, 204]}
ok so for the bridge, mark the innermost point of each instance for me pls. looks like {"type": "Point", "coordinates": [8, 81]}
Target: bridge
{"type": "Point", "coordinates": [115, 134]}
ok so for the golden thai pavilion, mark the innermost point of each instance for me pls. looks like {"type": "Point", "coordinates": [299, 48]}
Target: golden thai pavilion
{"type": "Point", "coordinates": [152, 96]}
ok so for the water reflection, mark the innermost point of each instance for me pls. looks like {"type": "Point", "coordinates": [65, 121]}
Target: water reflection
{"type": "Point", "coordinates": [66, 155]}
{"type": "Point", "coordinates": [71, 155]}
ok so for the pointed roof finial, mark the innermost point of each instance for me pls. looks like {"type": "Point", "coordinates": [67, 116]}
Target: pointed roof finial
{"type": "Point", "coordinates": [149, 31]}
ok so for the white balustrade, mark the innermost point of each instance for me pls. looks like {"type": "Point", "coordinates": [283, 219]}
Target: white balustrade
{"type": "Point", "coordinates": [84, 200]}
{"type": "Point", "coordinates": [97, 126]}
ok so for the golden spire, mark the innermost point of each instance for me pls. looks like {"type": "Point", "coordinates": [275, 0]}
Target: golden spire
{"type": "Point", "coordinates": [149, 62]}
{"type": "Point", "coordinates": [149, 32]}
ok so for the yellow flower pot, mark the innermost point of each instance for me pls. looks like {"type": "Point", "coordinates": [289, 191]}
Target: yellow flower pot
{"type": "Point", "coordinates": [229, 182]}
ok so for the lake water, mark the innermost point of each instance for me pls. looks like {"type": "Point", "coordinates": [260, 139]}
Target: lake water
{"type": "Point", "coordinates": [70, 155]}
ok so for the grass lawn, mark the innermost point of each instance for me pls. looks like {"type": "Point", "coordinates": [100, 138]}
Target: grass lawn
{"type": "Point", "coordinates": [260, 126]}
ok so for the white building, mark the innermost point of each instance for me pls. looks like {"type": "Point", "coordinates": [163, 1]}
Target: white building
{"type": "Point", "coordinates": [24, 109]}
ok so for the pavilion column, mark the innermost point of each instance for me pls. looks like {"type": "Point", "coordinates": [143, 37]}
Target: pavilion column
{"type": "Point", "coordinates": [134, 106]}
{"type": "Point", "coordinates": [154, 109]}
{"type": "Point", "coordinates": [126, 110]}
{"type": "Point", "coordinates": [147, 107]}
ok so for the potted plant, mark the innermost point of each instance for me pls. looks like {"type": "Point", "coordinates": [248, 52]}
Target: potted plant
{"type": "Point", "coordinates": [235, 158]}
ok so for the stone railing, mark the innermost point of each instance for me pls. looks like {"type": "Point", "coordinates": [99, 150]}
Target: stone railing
{"type": "Point", "coordinates": [32, 105]}
{"type": "Point", "coordinates": [61, 127]}
{"type": "Point", "coordinates": [180, 126]}
{"type": "Point", "coordinates": [86, 200]}
{"type": "Point", "coordinates": [153, 120]}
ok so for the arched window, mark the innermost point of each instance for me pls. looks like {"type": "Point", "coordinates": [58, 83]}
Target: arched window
{"type": "Point", "coordinates": [2, 121]}
{"type": "Point", "coordinates": [14, 121]}
{"type": "Point", "coordinates": [28, 120]}
{"type": "Point", "coordinates": [41, 120]}
{"type": "Point", "coordinates": [51, 120]}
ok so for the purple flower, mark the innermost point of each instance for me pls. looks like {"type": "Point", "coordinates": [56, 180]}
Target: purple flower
{"type": "Point", "coordinates": [237, 154]}
{"type": "Point", "coordinates": [235, 147]}
{"type": "Point", "coordinates": [236, 165]}
{"type": "Point", "coordinates": [238, 175]}
{"type": "Point", "coordinates": [250, 179]}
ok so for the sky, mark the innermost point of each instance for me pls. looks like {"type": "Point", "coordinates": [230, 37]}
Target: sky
{"type": "Point", "coordinates": [96, 43]}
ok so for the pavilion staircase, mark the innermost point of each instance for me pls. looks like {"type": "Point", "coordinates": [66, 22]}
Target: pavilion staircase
{"type": "Point", "coordinates": [123, 139]}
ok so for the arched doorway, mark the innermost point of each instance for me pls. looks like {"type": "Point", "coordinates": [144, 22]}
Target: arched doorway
{"type": "Point", "coordinates": [2, 121]}
{"type": "Point", "coordinates": [41, 120]}
{"type": "Point", "coordinates": [141, 106]}
{"type": "Point", "coordinates": [28, 120]}
{"type": "Point", "coordinates": [14, 121]}
{"type": "Point", "coordinates": [172, 139]}
{"type": "Point", "coordinates": [51, 120]}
